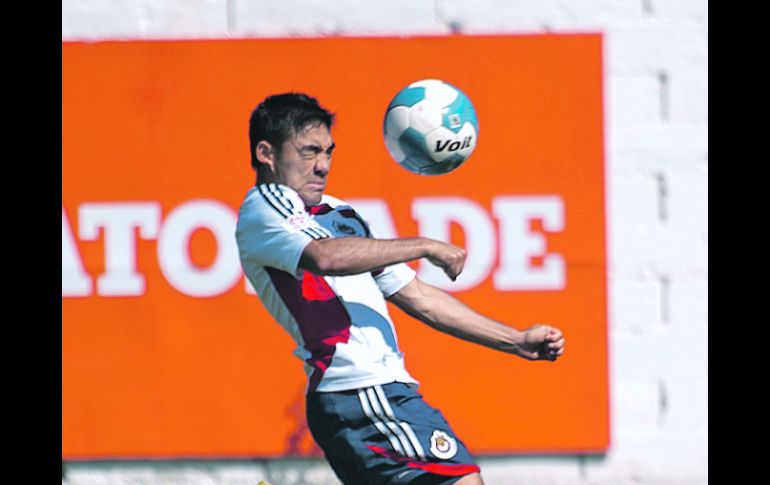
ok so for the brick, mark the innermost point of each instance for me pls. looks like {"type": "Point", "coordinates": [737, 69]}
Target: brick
{"type": "Point", "coordinates": [644, 246]}
{"type": "Point", "coordinates": [687, 194]}
{"type": "Point", "coordinates": [680, 11]}
{"type": "Point", "coordinates": [634, 357]}
{"type": "Point", "coordinates": [186, 18]}
{"type": "Point", "coordinates": [95, 19]}
{"type": "Point", "coordinates": [632, 101]}
{"type": "Point", "coordinates": [600, 10]}
{"type": "Point", "coordinates": [688, 99]}
{"type": "Point", "coordinates": [524, 470]}
{"type": "Point", "coordinates": [342, 17]}
{"type": "Point", "coordinates": [671, 358]}
{"type": "Point", "coordinates": [299, 471]}
{"type": "Point", "coordinates": [640, 50]}
{"type": "Point", "coordinates": [498, 16]}
{"type": "Point", "coordinates": [649, 445]}
{"type": "Point", "coordinates": [657, 145]}
{"type": "Point", "coordinates": [171, 473]}
{"type": "Point", "coordinates": [666, 368]}
{"type": "Point", "coordinates": [634, 407]}
{"type": "Point", "coordinates": [653, 459]}
{"type": "Point", "coordinates": [238, 473]}
{"type": "Point", "coordinates": [321, 474]}
{"type": "Point", "coordinates": [687, 396]}
{"type": "Point", "coordinates": [672, 253]}
{"type": "Point", "coordinates": [689, 311]}
{"type": "Point", "coordinates": [680, 253]}
{"type": "Point", "coordinates": [632, 199]}
{"type": "Point", "coordinates": [628, 255]}
{"type": "Point", "coordinates": [124, 19]}
{"type": "Point", "coordinates": [85, 476]}
{"type": "Point", "coordinates": [635, 305]}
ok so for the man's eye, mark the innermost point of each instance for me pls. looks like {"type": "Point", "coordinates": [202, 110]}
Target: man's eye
{"type": "Point", "coordinates": [310, 153]}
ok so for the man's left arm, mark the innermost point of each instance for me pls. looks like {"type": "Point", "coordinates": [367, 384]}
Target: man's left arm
{"type": "Point", "coordinates": [447, 314]}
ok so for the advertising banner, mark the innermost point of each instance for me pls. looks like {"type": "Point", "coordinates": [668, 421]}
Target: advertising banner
{"type": "Point", "coordinates": [166, 350]}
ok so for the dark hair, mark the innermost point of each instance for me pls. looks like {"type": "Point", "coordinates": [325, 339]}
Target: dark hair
{"type": "Point", "coordinates": [281, 116]}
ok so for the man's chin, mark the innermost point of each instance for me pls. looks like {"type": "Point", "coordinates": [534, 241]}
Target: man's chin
{"type": "Point", "coordinates": [312, 197]}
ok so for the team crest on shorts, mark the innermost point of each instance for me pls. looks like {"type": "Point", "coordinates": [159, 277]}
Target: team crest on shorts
{"type": "Point", "coordinates": [442, 445]}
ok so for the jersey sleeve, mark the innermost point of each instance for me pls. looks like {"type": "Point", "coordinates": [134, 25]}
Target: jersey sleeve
{"type": "Point", "coordinates": [392, 278]}
{"type": "Point", "coordinates": [274, 229]}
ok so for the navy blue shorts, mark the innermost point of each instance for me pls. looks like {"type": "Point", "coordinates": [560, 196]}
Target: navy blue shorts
{"type": "Point", "coordinates": [386, 435]}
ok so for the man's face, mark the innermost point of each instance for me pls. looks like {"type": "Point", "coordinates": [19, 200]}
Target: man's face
{"type": "Point", "coordinates": [304, 161]}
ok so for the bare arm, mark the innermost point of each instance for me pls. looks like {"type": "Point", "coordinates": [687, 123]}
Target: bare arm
{"type": "Point", "coordinates": [355, 255]}
{"type": "Point", "coordinates": [446, 313]}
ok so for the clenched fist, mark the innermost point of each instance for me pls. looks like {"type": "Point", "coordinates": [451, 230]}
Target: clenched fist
{"type": "Point", "coordinates": [542, 342]}
{"type": "Point", "coordinates": [448, 257]}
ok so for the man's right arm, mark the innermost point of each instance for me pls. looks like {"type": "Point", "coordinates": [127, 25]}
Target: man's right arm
{"type": "Point", "coordinates": [355, 255]}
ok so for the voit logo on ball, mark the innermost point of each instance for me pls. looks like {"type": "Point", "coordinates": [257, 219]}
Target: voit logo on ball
{"type": "Point", "coordinates": [453, 146]}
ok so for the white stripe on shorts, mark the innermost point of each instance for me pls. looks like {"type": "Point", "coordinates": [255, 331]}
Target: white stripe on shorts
{"type": "Point", "coordinates": [405, 426]}
{"type": "Point", "coordinates": [378, 424]}
{"type": "Point", "coordinates": [393, 426]}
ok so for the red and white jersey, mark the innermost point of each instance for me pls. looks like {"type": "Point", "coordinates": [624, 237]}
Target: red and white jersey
{"type": "Point", "coordinates": [341, 324]}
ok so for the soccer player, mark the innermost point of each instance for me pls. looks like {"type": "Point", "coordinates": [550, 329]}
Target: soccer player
{"type": "Point", "coordinates": [323, 275]}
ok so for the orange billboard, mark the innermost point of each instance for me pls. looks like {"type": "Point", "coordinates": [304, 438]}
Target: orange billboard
{"type": "Point", "coordinates": [166, 350]}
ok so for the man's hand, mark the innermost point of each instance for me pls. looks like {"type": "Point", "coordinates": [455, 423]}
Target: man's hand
{"type": "Point", "coordinates": [448, 257]}
{"type": "Point", "coordinates": [542, 342]}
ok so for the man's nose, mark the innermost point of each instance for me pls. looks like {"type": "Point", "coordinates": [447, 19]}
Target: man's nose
{"type": "Point", "coordinates": [322, 163]}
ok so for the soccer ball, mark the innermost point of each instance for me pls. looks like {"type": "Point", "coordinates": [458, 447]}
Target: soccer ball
{"type": "Point", "coordinates": [430, 127]}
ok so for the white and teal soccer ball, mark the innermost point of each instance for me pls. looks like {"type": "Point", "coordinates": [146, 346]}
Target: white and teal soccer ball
{"type": "Point", "coordinates": [430, 127]}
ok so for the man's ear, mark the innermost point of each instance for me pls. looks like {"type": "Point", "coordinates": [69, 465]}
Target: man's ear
{"type": "Point", "coordinates": [265, 154]}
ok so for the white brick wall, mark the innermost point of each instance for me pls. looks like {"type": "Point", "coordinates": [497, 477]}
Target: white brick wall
{"type": "Point", "coordinates": [338, 17]}
{"type": "Point", "coordinates": [656, 99]}
{"type": "Point", "coordinates": [143, 19]}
